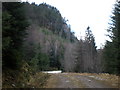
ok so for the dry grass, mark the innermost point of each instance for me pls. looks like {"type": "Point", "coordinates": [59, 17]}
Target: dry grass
{"type": "Point", "coordinates": [13, 80]}
{"type": "Point", "coordinates": [38, 80]}
{"type": "Point", "coordinates": [51, 82]}
{"type": "Point", "coordinates": [110, 79]}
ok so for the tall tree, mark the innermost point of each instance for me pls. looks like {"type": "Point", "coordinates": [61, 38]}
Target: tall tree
{"type": "Point", "coordinates": [87, 53]}
{"type": "Point", "coordinates": [14, 25]}
{"type": "Point", "coordinates": [112, 48]}
{"type": "Point", "coordinates": [90, 50]}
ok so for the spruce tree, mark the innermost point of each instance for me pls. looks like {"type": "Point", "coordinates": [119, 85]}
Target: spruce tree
{"type": "Point", "coordinates": [13, 29]}
{"type": "Point", "coordinates": [112, 48]}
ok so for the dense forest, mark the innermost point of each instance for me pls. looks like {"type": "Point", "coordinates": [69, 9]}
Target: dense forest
{"type": "Point", "coordinates": [37, 38]}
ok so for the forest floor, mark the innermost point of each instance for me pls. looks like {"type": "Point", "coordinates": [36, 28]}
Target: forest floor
{"type": "Point", "coordinates": [82, 80]}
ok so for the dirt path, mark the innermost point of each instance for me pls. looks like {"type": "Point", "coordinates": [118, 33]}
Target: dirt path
{"type": "Point", "coordinates": [68, 80]}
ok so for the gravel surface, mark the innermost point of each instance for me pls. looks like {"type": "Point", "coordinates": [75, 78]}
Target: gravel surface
{"type": "Point", "coordinates": [69, 80]}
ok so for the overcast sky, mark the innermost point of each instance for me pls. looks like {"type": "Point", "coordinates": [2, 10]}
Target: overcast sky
{"type": "Point", "coordinates": [84, 13]}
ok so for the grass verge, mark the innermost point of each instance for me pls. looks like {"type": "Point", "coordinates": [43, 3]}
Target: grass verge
{"type": "Point", "coordinates": [17, 79]}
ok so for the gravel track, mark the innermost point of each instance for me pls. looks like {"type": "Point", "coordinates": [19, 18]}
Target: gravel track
{"type": "Point", "coordinates": [68, 80]}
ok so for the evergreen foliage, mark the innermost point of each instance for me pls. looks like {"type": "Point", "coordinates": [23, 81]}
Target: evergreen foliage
{"type": "Point", "coordinates": [49, 17]}
{"type": "Point", "coordinates": [16, 17]}
{"type": "Point", "coordinates": [37, 38]}
{"type": "Point", "coordinates": [112, 48]}
{"type": "Point", "coordinates": [13, 30]}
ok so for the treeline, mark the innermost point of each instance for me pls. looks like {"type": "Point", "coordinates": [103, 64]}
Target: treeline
{"type": "Point", "coordinates": [87, 54]}
{"type": "Point", "coordinates": [40, 36]}
{"type": "Point", "coordinates": [47, 16]}
{"type": "Point", "coordinates": [47, 37]}
{"type": "Point", "coordinates": [103, 60]}
{"type": "Point", "coordinates": [35, 37]}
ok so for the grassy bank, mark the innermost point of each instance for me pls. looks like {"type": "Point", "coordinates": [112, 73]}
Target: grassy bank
{"type": "Point", "coordinates": [17, 79]}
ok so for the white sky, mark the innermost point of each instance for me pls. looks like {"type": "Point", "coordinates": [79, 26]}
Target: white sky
{"type": "Point", "coordinates": [84, 13]}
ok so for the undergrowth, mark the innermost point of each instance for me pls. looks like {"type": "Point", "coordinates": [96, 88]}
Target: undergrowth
{"type": "Point", "coordinates": [23, 78]}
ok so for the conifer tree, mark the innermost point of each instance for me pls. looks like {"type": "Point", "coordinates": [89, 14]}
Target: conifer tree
{"type": "Point", "coordinates": [112, 48]}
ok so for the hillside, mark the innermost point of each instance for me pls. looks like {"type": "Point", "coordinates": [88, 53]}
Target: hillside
{"type": "Point", "coordinates": [37, 38]}
{"type": "Point", "coordinates": [34, 43]}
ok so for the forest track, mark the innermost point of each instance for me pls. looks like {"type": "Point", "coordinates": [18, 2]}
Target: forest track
{"type": "Point", "coordinates": [75, 80]}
